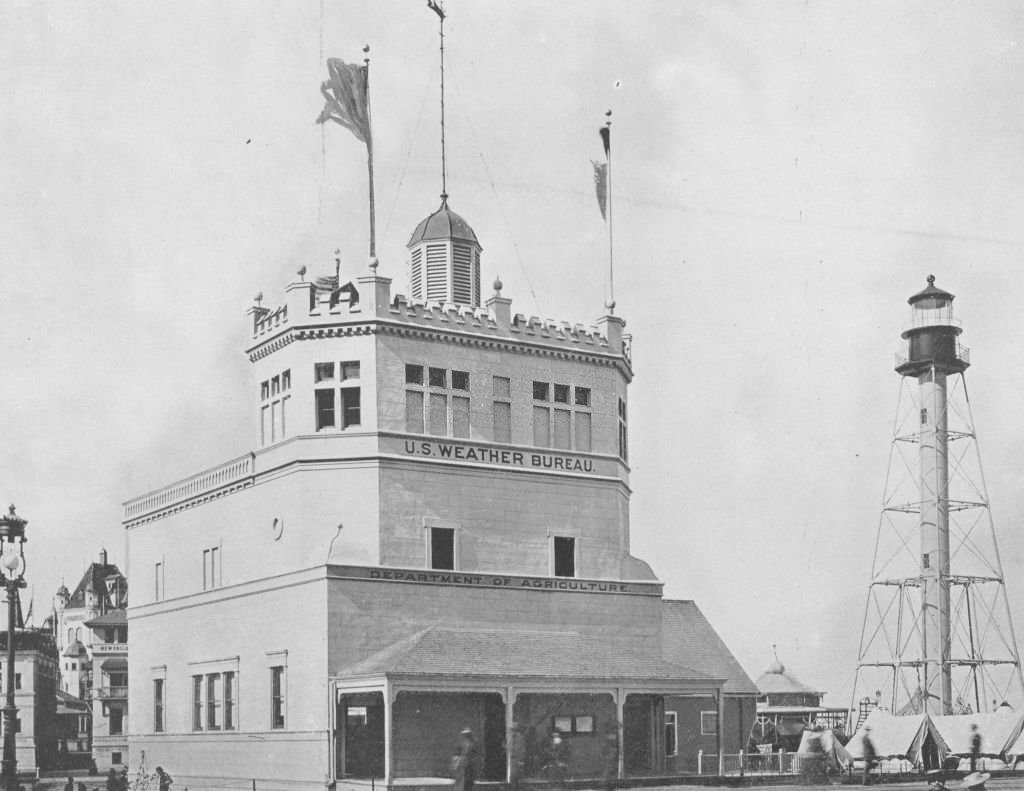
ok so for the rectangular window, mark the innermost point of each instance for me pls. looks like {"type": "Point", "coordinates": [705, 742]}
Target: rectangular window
{"type": "Point", "coordinates": [583, 431]}
{"type": "Point", "coordinates": [502, 387]}
{"type": "Point", "coordinates": [414, 411]}
{"type": "Point", "coordinates": [277, 696]}
{"type": "Point", "coordinates": [158, 581]}
{"type": "Point", "coordinates": [286, 380]}
{"type": "Point", "coordinates": [442, 548]}
{"type": "Point", "coordinates": [17, 679]}
{"type": "Point", "coordinates": [623, 433]}
{"type": "Point", "coordinates": [211, 568]}
{"type": "Point", "coordinates": [230, 704]}
{"type": "Point", "coordinates": [158, 705]}
{"type": "Point", "coordinates": [563, 425]}
{"type": "Point", "coordinates": [324, 409]}
{"type": "Point", "coordinates": [213, 683]}
{"type": "Point", "coordinates": [708, 723]}
{"type": "Point", "coordinates": [115, 758]}
{"type": "Point", "coordinates": [438, 377]}
{"type": "Point", "coordinates": [275, 385]}
{"type": "Point", "coordinates": [561, 394]}
{"type": "Point", "coordinates": [582, 396]}
{"type": "Point", "coordinates": [671, 733]}
{"type": "Point", "coordinates": [413, 374]}
{"type": "Point", "coordinates": [322, 372]}
{"type": "Point", "coordinates": [460, 380]}
{"type": "Point", "coordinates": [541, 429]}
{"type": "Point", "coordinates": [540, 391]}
{"type": "Point", "coordinates": [264, 390]}
{"type": "Point", "coordinates": [197, 703]}
{"type": "Point", "coordinates": [116, 718]}
{"type": "Point", "coordinates": [438, 414]}
{"type": "Point", "coordinates": [350, 409]}
{"type": "Point", "coordinates": [460, 416]}
{"type": "Point", "coordinates": [349, 370]}
{"type": "Point", "coordinates": [564, 549]}
{"type": "Point", "coordinates": [502, 421]}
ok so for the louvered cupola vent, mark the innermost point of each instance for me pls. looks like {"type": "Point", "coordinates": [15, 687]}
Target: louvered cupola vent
{"type": "Point", "coordinates": [444, 259]}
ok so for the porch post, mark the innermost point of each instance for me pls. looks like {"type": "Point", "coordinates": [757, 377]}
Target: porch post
{"type": "Point", "coordinates": [620, 699]}
{"type": "Point", "coordinates": [389, 747]}
{"type": "Point", "coordinates": [718, 731]}
{"type": "Point", "coordinates": [509, 722]}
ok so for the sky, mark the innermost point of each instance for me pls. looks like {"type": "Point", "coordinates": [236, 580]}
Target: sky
{"type": "Point", "coordinates": [785, 175]}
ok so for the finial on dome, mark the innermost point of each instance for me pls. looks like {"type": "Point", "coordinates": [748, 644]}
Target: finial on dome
{"type": "Point", "coordinates": [610, 304]}
{"type": "Point", "coordinates": [498, 285]}
{"type": "Point", "coordinates": [258, 299]}
{"type": "Point", "coordinates": [931, 280]}
{"type": "Point", "coordinates": [302, 273]}
{"type": "Point", "coordinates": [373, 263]}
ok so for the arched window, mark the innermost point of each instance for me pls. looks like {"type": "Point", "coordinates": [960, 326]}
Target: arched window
{"type": "Point", "coordinates": [78, 633]}
{"type": "Point", "coordinates": [71, 635]}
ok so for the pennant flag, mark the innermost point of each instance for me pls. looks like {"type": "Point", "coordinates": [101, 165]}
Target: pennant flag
{"type": "Point", "coordinates": [346, 98]}
{"type": "Point", "coordinates": [601, 185]}
{"type": "Point", "coordinates": [606, 135]}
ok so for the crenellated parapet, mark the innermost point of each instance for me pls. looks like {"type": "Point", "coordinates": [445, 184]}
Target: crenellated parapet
{"type": "Point", "coordinates": [310, 310]}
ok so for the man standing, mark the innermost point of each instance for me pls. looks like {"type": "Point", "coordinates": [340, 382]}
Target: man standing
{"type": "Point", "coordinates": [466, 762]}
{"type": "Point", "coordinates": [975, 747]}
{"type": "Point", "coordinates": [869, 756]}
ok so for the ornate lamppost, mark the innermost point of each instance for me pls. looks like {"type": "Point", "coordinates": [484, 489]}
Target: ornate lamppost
{"type": "Point", "coordinates": [12, 566]}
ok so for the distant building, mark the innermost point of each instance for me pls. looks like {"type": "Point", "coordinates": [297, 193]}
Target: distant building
{"type": "Point", "coordinates": [35, 695]}
{"type": "Point", "coordinates": [787, 706]}
{"type": "Point", "coordinates": [74, 732]}
{"type": "Point", "coordinates": [92, 637]}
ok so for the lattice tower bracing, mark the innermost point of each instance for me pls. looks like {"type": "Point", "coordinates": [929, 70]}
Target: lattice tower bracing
{"type": "Point", "coordinates": [937, 634]}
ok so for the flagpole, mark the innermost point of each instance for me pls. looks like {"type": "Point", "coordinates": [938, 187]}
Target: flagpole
{"type": "Point", "coordinates": [611, 260]}
{"type": "Point", "coordinates": [369, 159]}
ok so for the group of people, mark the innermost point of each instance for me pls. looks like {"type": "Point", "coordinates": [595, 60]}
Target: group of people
{"type": "Point", "coordinates": [554, 761]}
{"type": "Point", "coordinates": [118, 781]}
{"type": "Point", "coordinates": [975, 780]}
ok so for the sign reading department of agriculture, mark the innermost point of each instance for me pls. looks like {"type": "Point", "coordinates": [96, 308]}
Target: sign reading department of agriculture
{"type": "Point", "coordinates": [479, 579]}
{"type": "Point", "coordinates": [465, 452]}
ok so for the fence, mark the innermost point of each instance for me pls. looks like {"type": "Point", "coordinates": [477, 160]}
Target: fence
{"type": "Point", "coordinates": [785, 763]}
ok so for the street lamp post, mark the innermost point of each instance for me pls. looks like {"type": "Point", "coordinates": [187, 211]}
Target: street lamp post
{"type": "Point", "coordinates": [12, 565]}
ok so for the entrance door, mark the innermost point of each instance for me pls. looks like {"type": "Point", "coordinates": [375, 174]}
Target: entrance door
{"type": "Point", "coordinates": [494, 738]}
{"type": "Point", "coordinates": [359, 740]}
{"type": "Point", "coordinates": [638, 734]}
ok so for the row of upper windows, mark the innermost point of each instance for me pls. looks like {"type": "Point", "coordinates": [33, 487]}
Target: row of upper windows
{"type": "Point", "coordinates": [215, 701]}
{"type": "Point", "coordinates": [442, 552]}
{"type": "Point", "coordinates": [276, 385]}
{"type": "Point", "coordinates": [212, 575]}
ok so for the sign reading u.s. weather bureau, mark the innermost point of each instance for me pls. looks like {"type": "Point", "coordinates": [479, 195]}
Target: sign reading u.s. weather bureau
{"type": "Point", "coordinates": [476, 579]}
{"type": "Point", "coordinates": [494, 456]}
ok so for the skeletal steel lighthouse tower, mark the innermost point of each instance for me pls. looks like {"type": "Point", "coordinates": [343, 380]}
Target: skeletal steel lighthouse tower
{"type": "Point", "coordinates": [937, 635]}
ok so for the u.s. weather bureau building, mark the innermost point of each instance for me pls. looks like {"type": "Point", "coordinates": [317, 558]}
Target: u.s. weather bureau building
{"type": "Point", "coordinates": [432, 534]}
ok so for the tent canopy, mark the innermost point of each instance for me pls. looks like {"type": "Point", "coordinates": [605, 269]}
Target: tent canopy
{"type": "Point", "coordinates": [999, 730]}
{"type": "Point", "coordinates": [894, 737]}
{"type": "Point", "coordinates": [816, 742]}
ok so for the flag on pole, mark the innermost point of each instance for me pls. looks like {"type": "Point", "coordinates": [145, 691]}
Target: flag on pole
{"type": "Point", "coordinates": [346, 98]}
{"type": "Point", "coordinates": [601, 186]}
{"type": "Point", "coordinates": [606, 137]}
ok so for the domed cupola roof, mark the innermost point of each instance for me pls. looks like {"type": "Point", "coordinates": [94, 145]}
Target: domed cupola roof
{"type": "Point", "coordinates": [932, 293]}
{"type": "Point", "coordinates": [444, 259]}
{"type": "Point", "coordinates": [441, 225]}
{"type": "Point", "coordinates": [75, 649]}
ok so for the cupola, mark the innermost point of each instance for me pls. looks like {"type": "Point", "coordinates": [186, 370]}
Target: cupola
{"type": "Point", "coordinates": [444, 259]}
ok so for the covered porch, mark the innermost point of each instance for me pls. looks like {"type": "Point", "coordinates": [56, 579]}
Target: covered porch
{"type": "Point", "coordinates": [397, 716]}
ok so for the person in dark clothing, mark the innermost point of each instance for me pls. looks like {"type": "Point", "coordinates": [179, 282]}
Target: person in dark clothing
{"type": "Point", "coordinates": [113, 782]}
{"type": "Point", "coordinates": [975, 746]}
{"type": "Point", "coordinates": [70, 784]}
{"type": "Point", "coordinates": [163, 779]}
{"type": "Point", "coordinates": [466, 762]}
{"type": "Point", "coordinates": [869, 757]}
{"type": "Point", "coordinates": [557, 768]}
{"type": "Point", "coordinates": [610, 758]}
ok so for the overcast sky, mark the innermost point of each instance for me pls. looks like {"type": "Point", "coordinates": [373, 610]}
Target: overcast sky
{"type": "Point", "coordinates": [786, 174]}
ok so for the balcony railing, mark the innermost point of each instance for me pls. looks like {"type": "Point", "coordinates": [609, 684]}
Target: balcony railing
{"type": "Point", "coordinates": [111, 692]}
{"type": "Point", "coordinates": [105, 649]}
{"type": "Point", "coordinates": [962, 353]}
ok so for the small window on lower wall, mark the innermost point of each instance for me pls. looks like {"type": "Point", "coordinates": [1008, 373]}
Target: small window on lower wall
{"type": "Point", "coordinates": [442, 548]}
{"type": "Point", "coordinates": [671, 733]}
{"type": "Point", "coordinates": [563, 549]}
{"type": "Point", "coordinates": [708, 723]}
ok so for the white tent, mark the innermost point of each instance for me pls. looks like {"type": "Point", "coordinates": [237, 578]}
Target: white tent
{"type": "Point", "coordinates": [999, 731]}
{"type": "Point", "coordinates": [894, 737]}
{"type": "Point", "coordinates": [818, 742]}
